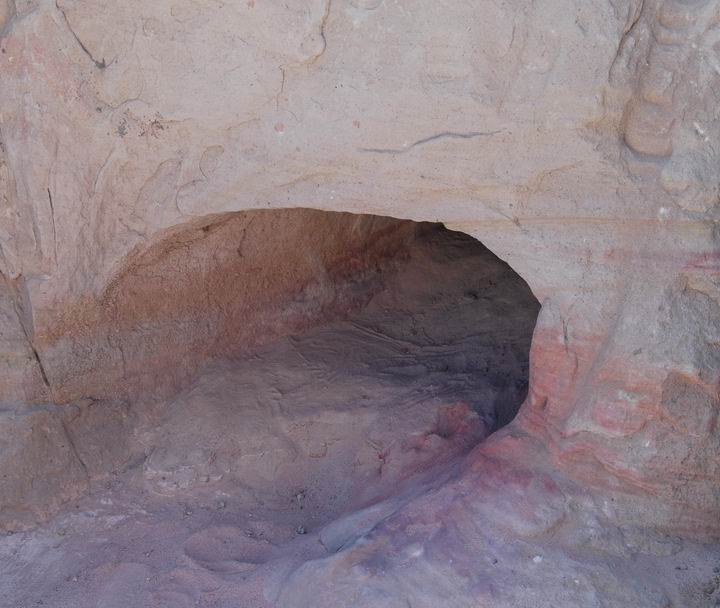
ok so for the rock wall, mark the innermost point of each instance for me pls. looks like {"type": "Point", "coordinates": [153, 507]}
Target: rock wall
{"type": "Point", "coordinates": [211, 287]}
{"type": "Point", "coordinates": [576, 139]}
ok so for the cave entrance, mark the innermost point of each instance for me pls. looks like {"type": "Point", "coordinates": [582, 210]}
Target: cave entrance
{"type": "Point", "coordinates": [328, 359]}
{"type": "Point", "coordinates": [305, 362]}
{"type": "Point", "coordinates": [267, 386]}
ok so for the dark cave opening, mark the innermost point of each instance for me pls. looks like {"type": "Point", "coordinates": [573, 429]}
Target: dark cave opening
{"type": "Point", "coordinates": [264, 354]}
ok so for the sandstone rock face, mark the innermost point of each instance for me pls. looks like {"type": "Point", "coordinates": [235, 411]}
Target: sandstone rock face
{"type": "Point", "coordinates": [577, 140]}
{"type": "Point", "coordinates": [210, 288]}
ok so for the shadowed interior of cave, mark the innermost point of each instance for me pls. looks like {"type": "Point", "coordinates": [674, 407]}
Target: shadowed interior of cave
{"type": "Point", "coordinates": [281, 370]}
{"type": "Point", "coordinates": [407, 358]}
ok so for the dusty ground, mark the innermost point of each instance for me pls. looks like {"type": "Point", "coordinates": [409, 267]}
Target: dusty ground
{"type": "Point", "coordinates": [326, 465]}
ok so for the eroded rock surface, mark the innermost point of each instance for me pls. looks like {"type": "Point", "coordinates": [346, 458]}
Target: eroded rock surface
{"type": "Point", "coordinates": [578, 140]}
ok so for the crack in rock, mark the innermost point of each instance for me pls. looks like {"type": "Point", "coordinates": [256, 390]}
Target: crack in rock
{"type": "Point", "coordinates": [99, 64]}
{"type": "Point", "coordinates": [425, 140]}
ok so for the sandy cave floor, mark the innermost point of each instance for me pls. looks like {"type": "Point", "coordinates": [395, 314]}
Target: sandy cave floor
{"type": "Point", "coordinates": [285, 456]}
